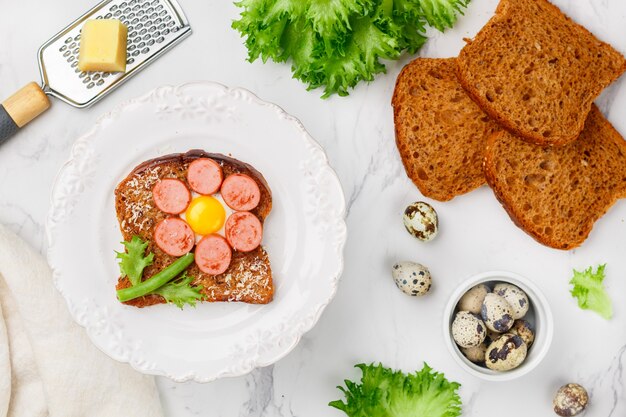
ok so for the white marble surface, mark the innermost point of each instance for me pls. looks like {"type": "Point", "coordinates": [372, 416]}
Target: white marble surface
{"type": "Point", "coordinates": [370, 320]}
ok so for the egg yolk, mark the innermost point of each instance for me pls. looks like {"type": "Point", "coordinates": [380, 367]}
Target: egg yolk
{"type": "Point", "coordinates": [205, 215]}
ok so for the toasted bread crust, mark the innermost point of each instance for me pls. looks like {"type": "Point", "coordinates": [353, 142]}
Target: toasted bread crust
{"type": "Point", "coordinates": [249, 276]}
{"type": "Point", "coordinates": [556, 194]}
{"type": "Point", "coordinates": [440, 131]}
{"type": "Point", "coordinates": [536, 72]}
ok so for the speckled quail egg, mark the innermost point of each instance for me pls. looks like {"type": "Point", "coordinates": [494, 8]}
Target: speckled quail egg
{"type": "Point", "coordinates": [497, 313]}
{"type": "Point", "coordinates": [421, 221]}
{"type": "Point", "coordinates": [472, 300]}
{"type": "Point", "coordinates": [515, 296]}
{"type": "Point", "coordinates": [492, 336]}
{"type": "Point", "coordinates": [523, 329]}
{"type": "Point", "coordinates": [475, 354]}
{"type": "Point", "coordinates": [412, 278]}
{"type": "Point", "coordinates": [468, 330]}
{"type": "Point", "coordinates": [506, 353]}
{"type": "Point", "coordinates": [570, 400]}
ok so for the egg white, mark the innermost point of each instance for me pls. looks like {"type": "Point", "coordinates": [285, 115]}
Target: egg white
{"type": "Point", "coordinates": [227, 209]}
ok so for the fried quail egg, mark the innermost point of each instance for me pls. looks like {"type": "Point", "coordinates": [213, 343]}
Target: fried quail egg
{"type": "Point", "coordinates": [421, 221]}
{"type": "Point", "coordinates": [468, 330]}
{"type": "Point", "coordinates": [523, 329]}
{"type": "Point", "coordinates": [497, 313]}
{"type": "Point", "coordinates": [472, 300]}
{"type": "Point", "coordinates": [515, 297]}
{"type": "Point", "coordinates": [570, 400]}
{"type": "Point", "coordinates": [412, 278]}
{"type": "Point", "coordinates": [506, 353]}
{"type": "Point", "coordinates": [206, 214]}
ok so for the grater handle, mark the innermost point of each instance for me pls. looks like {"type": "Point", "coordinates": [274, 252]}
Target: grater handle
{"type": "Point", "coordinates": [22, 107]}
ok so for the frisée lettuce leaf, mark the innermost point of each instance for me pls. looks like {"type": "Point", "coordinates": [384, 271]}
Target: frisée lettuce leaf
{"type": "Point", "coordinates": [133, 261]}
{"type": "Point", "coordinates": [335, 44]}
{"type": "Point", "coordinates": [588, 289]}
{"type": "Point", "coordinates": [441, 14]}
{"type": "Point", "coordinates": [383, 392]}
{"type": "Point", "coordinates": [172, 283]}
{"type": "Point", "coordinates": [181, 292]}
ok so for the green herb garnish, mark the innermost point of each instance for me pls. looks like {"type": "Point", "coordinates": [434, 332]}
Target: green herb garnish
{"type": "Point", "coordinates": [180, 292]}
{"type": "Point", "coordinates": [134, 261]}
{"type": "Point", "coordinates": [156, 281]}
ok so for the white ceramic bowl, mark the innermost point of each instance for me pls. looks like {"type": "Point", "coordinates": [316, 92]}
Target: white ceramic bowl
{"type": "Point", "coordinates": [539, 315]}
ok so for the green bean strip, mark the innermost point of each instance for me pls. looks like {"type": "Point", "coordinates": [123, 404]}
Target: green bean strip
{"type": "Point", "coordinates": [156, 281]}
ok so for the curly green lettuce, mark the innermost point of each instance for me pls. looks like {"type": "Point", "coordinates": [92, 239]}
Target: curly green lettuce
{"type": "Point", "coordinates": [442, 14]}
{"type": "Point", "coordinates": [181, 292]}
{"type": "Point", "coordinates": [387, 393]}
{"type": "Point", "coordinates": [170, 284]}
{"type": "Point", "coordinates": [588, 289]}
{"type": "Point", "coordinates": [134, 260]}
{"type": "Point", "coordinates": [335, 44]}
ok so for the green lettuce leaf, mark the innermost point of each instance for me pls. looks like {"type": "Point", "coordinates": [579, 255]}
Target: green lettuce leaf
{"type": "Point", "coordinates": [331, 18]}
{"type": "Point", "coordinates": [589, 290]}
{"type": "Point", "coordinates": [442, 14]}
{"type": "Point", "coordinates": [407, 10]}
{"type": "Point", "coordinates": [387, 393]}
{"type": "Point", "coordinates": [134, 261]}
{"type": "Point", "coordinates": [181, 292]}
{"type": "Point", "coordinates": [300, 43]}
{"type": "Point", "coordinates": [335, 44]}
{"type": "Point", "coordinates": [359, 60]}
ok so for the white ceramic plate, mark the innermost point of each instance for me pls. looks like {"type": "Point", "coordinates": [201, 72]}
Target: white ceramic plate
{"type": "Point", "coordinates": [304, 234]}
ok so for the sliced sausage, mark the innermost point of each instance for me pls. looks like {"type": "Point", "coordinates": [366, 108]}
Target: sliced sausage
{"type": "Point", "coordinates": [205, 176]}
{"type": "Point", "coordinates": [174, 236]}
{"type": "Point", "coordinates": [213, 255]}
{"type": "Point", "coordinates": [244, 231]}
{"type": "Point", "coordinates": [241, 192]}
{"type": "Point", "coordinates": [171, 196]}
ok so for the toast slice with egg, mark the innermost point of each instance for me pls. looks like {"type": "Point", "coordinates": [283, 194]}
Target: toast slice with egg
{"type": "Point", "coordinates": [556, 194]}
{"type": "Point", "coordinates": [537, 72]}
{"type": "Point", "coordinates": [440, 132]}
{"type": "Point", "coordinates": [248, 278]}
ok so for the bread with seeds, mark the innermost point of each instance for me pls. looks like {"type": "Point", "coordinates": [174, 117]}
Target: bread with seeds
{"type": "Point", "coordinates": [248, 277]}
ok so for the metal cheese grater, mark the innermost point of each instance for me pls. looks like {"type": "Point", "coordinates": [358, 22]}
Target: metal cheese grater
{"type": "Point", "coordinates": [154, 26]}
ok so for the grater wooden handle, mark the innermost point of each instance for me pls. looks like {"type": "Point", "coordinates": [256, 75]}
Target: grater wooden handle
{"type": "Point", "coordinates": [22, 107]}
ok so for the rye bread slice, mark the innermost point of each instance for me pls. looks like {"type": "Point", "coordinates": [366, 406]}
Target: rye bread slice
{"type": "Point", "coordinates": [537, 72]}
{"type": "Point", "coordinates": [249, 276]}
{"type": "Point", "coordinates": [440, 131]}
{"type": "Point", "coordinates": [555, 194]}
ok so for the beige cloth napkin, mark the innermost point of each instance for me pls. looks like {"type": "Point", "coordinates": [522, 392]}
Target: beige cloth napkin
{"type": "Point", "coordinates": [48, 366]}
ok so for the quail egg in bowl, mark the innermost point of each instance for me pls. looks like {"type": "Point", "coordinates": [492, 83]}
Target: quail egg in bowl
{"type": "Point", "coordinates": [516, 338]}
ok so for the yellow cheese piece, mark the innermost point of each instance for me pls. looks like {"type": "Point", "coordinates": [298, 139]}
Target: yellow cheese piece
{"type": "Point", "coordinates": [103, 46]}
